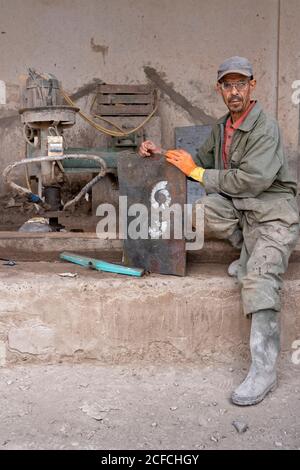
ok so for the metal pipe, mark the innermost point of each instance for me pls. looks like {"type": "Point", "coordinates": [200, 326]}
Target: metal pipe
{"type": "Point", "coordinates": [27, 161]}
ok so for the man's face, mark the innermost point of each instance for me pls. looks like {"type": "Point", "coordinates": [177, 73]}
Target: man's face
{"type": "Point", "coordinates": [237, 98]}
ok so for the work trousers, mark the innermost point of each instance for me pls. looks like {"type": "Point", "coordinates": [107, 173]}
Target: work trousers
{"type": "Point", "coordinates": [267, 232]}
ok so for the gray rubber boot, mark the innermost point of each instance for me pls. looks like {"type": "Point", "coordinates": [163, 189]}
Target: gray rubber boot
{"type": "Point", "coordinates": [264, 347]}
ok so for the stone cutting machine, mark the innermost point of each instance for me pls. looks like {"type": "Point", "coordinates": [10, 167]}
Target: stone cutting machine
{"type": "Point", "coordinates": [48, 111]}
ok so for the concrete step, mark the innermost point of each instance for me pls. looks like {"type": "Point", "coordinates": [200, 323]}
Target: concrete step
{"type": "Point", "coordinates": [47, 246]}
{"type": "Point", "coordinates": [36, 246]}
{"type": "Point", "coordinates": [117, 319]}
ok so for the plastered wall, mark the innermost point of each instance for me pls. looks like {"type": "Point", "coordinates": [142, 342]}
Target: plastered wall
{"type": "Point", "coordinates": [175, 44]}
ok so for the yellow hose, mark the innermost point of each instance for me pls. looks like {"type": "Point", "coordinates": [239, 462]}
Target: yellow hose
{"type": "Point", "coordinates": [109, 122]}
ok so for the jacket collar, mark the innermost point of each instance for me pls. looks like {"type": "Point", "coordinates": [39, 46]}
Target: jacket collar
{"type": "Point", "coordinates": [249, 121]}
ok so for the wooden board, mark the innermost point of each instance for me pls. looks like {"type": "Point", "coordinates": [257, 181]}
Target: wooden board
{"type": "Point", "coordinates": [138, 178]}
{"type": "Point", "coordinates": [124, 110]}
{"type": "Point", "coordinates": [124, 100]}
{"type": "Point", "coordinates": [125, 89]}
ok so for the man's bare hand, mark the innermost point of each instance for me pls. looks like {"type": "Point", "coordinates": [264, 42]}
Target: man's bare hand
{"type": "Point", "coordinates": [148, 148]}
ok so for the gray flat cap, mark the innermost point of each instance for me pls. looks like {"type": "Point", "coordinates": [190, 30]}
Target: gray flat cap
{"type": "Point", "coordinates": [235, 64]}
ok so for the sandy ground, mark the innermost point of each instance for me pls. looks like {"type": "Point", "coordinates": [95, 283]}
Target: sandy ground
{"type": "Point", "coordinates": [88, 406]}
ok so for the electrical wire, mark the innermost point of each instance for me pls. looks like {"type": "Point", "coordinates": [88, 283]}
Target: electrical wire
{"type": "Point", "coordinates": [104, 130]}
{"type": "Point", "coordinates": [97, 116]}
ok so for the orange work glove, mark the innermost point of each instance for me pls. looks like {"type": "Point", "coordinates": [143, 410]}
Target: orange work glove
{"type": "Point", "coordinates": [182, 159]}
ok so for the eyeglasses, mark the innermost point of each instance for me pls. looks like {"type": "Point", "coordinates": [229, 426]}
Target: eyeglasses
{"type": "Point", "coordinates": [241, 85]}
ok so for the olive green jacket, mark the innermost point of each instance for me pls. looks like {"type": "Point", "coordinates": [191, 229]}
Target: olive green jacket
{"type": "Point", "coordinates": [257, 165]}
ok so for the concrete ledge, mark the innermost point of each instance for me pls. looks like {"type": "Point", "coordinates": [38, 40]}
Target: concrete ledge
{"type": "Point", "coordinates": [47, 246]}
{"type": "Point", "coordinates": [115, 319]}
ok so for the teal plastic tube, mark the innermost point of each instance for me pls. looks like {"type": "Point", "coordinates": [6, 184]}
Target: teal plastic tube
{"type": "Point", "coordinates": [100, 265]}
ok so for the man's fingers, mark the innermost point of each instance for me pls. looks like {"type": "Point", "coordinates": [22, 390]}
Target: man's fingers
{"type": "Point", "coordinates": [147, 148]}
{"type": "Point", "coordinates": [144, 154]}
{"type": "Point", "coordinates": [144, 148]}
